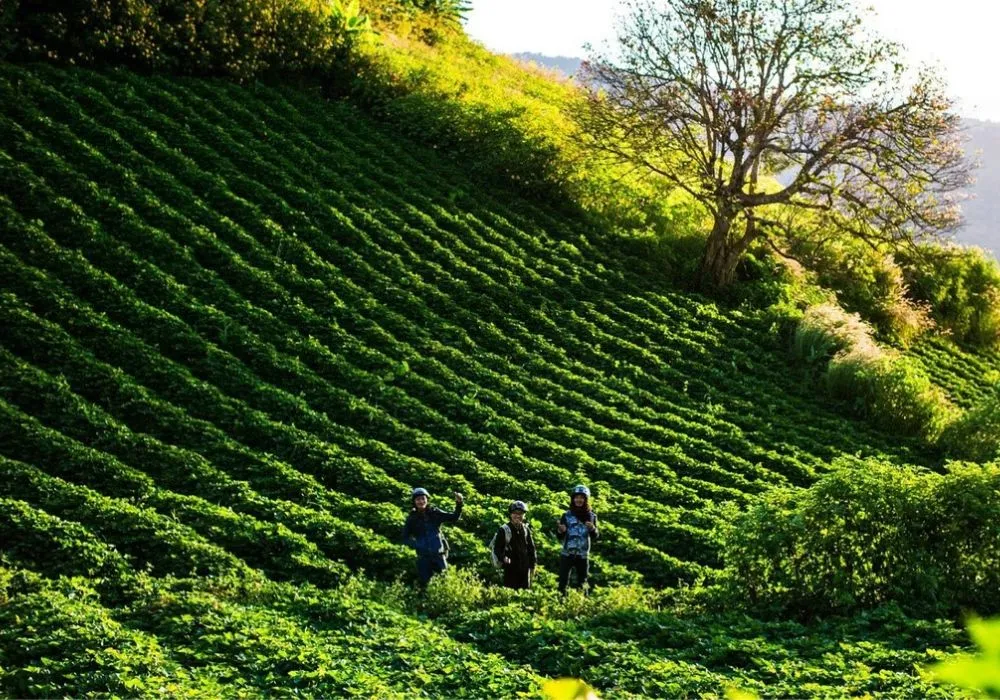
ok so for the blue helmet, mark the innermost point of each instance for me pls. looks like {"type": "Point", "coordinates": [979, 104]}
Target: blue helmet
{"type": "Point", "coordinates": [419, 492]}
{"type": "Point", "coordinates": [580, 488]}
{"type": "Point", "coordinates": [517, 506]}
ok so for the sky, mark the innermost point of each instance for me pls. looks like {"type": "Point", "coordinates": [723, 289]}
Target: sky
{"type": "Point", "coordinates": [958, 36]}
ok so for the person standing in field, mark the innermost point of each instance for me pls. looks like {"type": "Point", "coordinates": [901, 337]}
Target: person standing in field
{"type": "Point", "coordinates": [422, 531]}
{"type": "Point", "coordinates": [514, 548]}
{"type": "Point", "coordinates": [577, 528]}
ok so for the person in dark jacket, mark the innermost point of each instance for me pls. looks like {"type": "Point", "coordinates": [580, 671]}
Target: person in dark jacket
{"type": "Point", "coordinates": [577, 528]}
{"type": "Point", "coordinates": [514, 547]}
{"type": "Point", "coordinates": [422, 531]}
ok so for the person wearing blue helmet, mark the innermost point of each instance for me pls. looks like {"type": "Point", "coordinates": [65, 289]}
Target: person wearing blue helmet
{"type": "Point", "coordinates": [422, 531]}
{"type": "Point", "coordinates": [513, 548]}
{"type": "Point", "coordinates": [577, 528]}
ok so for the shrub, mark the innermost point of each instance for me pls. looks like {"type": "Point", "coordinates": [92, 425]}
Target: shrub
{"type": "Point", "coordinates": [891, 391]}
{"type": "Point", "coordinates": [961, 285]}
{"type": "Point", "coordinates": [870, 534]}
{"type": "Point", "coordinates": [455, 591]}
{"type": "Point", "coordinates": [976, 434]}
{"type": "Point", "coordinates": [240, 39]}
{"type": "Point", "coordinates": [879, 292]}
{"type": "Point", "coordinates": [826, 330]}
{"type": "Point", "coordinates": [868, 282]}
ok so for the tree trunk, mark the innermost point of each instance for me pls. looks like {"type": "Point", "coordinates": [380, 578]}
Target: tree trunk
{"type": "Point", "coordinates": [718, 264]}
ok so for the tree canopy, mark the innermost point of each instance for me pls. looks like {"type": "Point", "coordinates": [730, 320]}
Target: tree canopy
{"type": "Point", "coordinates": [714, 94]}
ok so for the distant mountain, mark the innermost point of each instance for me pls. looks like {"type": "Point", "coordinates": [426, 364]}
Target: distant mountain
{"type": "Point", "coordinates": [982, 212]}
{"type": "Point", "coordinates": [567, 65]}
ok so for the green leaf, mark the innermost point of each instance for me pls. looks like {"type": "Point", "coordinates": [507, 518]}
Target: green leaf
{"type": "Point", "coordinates": [568, 689]}
{"type": "Point", "coordinates": [980, 672]}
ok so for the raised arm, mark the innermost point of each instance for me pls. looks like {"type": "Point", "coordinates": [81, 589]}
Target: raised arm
{"type": "Point", "coordinates": [446, 517]}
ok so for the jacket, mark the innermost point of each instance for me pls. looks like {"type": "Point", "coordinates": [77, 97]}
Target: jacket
{"type": "Point", "coordinates": [521, 549]}
{"type": "Point", "coordinates": [423, 531]}
{"type": "Point", "coordinates": [577, 539]}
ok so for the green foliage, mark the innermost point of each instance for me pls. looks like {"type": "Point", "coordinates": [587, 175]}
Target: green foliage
{"type": "Point", "coordinates": [242, 39]}
{"type": "Point", "coordinates": [980, 672]}
{"type": "Point", "coordinates": [568, 689]}
{"type": "Point", "coordinates": [962, 287]}
{"type": "Point", "coordinates": [892, 391]}
{"type": "Point", "coordinates": [239, 324]}
{"type": "Point", "coordinates": [348, 18]}
{"type": "Point", "coordinates": [448, 11]}
{"type": "Point", "coordinates": [826, 330]}
{"type": "Point", "coordinates": [510, 124]}
{"type": "Point", "coordinates": [868, 534]}
{"type": "Point", "coordinates": [8, 36]}
{"type": "Point", "coordinates": [869, 282]}
{"type": "Point", "coordinates": [975, 435]}
{"type": "Point", "coordinates": [456, 591]}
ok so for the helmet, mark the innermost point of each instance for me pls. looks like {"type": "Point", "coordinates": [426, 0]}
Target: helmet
{"type": "Point", "coordinates": [517, 506]}
{"type": "Point", "coordinates": [419, 492]}
{"type": "Point", "coordinates": [580, 488]}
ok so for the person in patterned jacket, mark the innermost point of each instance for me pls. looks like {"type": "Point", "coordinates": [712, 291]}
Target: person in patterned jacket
{"type": "Point", "coordinates": [577, 528]}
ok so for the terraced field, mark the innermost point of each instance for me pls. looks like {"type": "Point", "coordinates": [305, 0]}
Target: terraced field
{"type": "Point", "coordinates": [241, 323]}
{"type": "Point", "coordinates": [967, 377]}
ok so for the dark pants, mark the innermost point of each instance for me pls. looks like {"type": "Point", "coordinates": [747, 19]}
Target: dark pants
{"type": "Point", "coordinates": [428, 564]}
{"type": "Point", "coordinates": [516, 577]}
{"type": "Point", "coordinates": [573, 562]}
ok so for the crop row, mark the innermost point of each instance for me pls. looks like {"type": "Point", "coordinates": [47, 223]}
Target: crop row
{"type": "Point", "coordinates": [280, 244]}
{"type": "Point", "coordinates": [256, 197]}
{"type": "Point", "coordinates": [967, 378]}
{"type": "Point", "coordinates": [306, 291]}
{"type": "Point", "coordinates": [512, 263]}
{"type": "Point", "coordinates": [434, 395]}
{"type": "Point", "coordinates": [255, 429]}
{"type": "Point", "coordinates": [273, 526]}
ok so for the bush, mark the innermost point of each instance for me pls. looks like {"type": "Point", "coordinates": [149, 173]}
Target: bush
{"type": "Point", "coordinates": [240, 39]}
{"type": "Point", "coordinates": [891, 391]}
{"type": "Point", "coordinates": [962, 287]}
{"type": "Point", "coordinates": [826, 330]}
{"type": "Point", "coordinates": [870, 283]}
{"type": "Point", "coordinates": [453, 592]}
{"type": "Point", "coordinates": [870, 534]}
{"type": "Point", "coordinates": [976, 434]}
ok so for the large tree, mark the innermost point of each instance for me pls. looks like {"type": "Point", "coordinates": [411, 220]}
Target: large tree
{"type": "Point", "coordinates": [713, 94]}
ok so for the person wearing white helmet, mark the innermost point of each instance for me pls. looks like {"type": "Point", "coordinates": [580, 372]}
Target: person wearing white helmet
{"type": "Point", "coordinates": [577, 528]}
{"type": "Point", "coordinates": [422, 531]}
{"type": "Point", "coordinates": [513, 548]}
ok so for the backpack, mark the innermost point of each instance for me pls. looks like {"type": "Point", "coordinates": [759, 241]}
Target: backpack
{"type": "Point", "coordinates": [498, 563]}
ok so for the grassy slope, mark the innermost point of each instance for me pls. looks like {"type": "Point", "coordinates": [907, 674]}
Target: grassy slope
{"type": "Point", "coordinates": [241, 323]}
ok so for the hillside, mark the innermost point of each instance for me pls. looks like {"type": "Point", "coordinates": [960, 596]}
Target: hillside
{"type": "Point", "coordinates": [241, 323]}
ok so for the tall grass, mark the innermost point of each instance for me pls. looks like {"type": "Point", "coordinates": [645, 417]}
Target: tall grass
{"type": "Point", "coordinates": [883, 386]}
